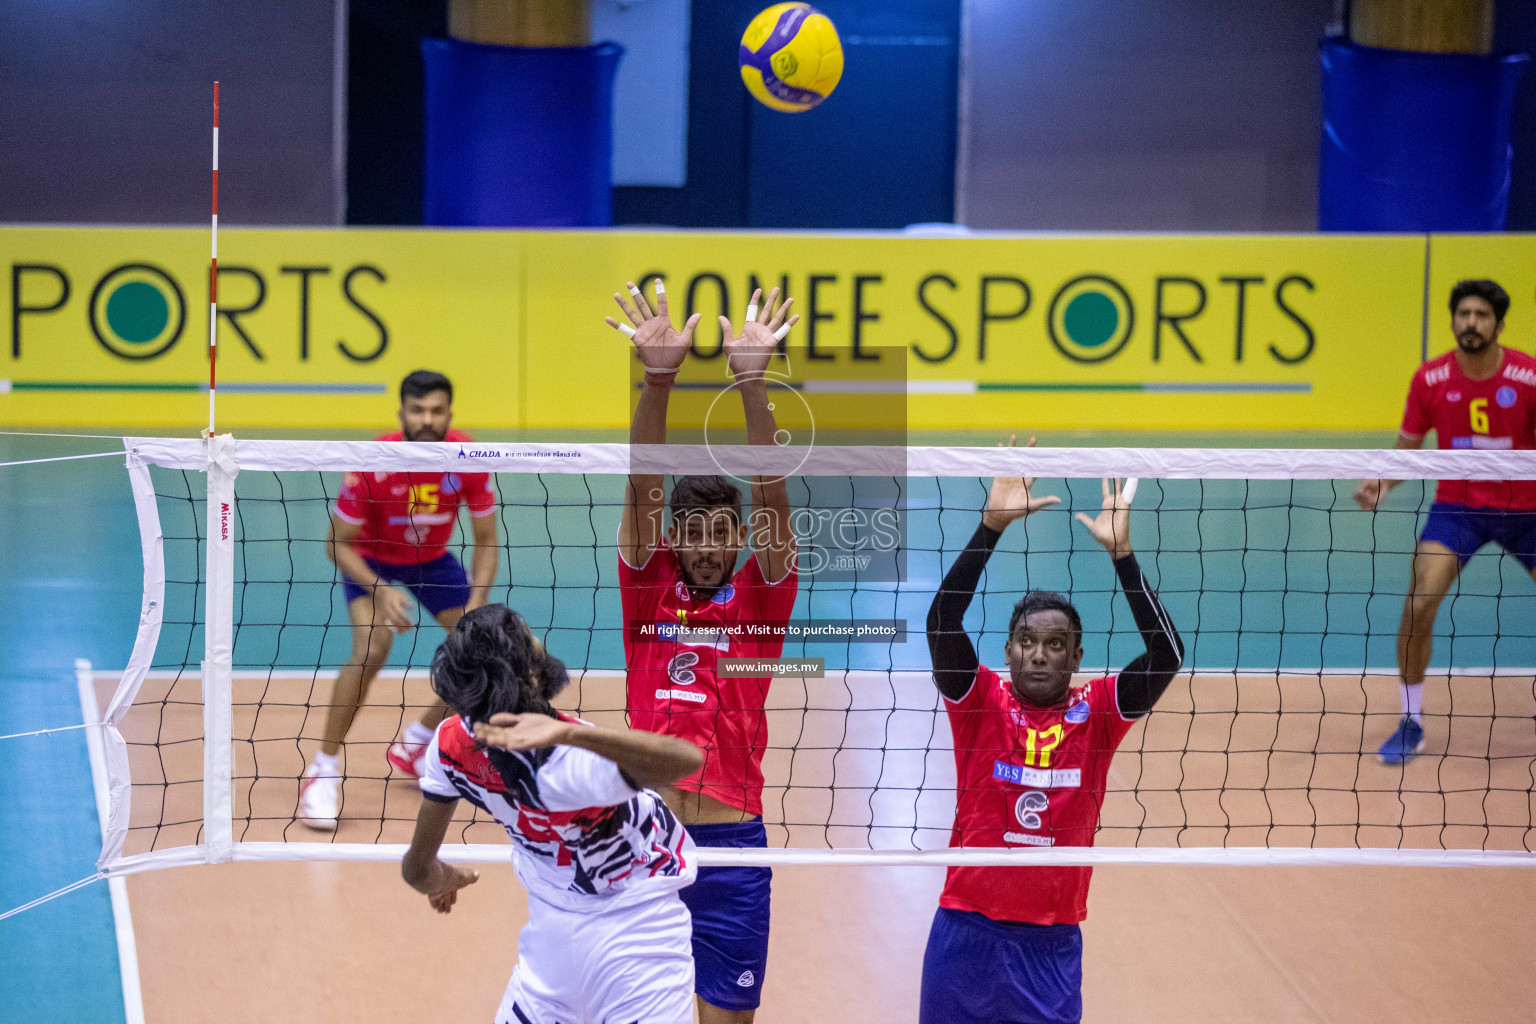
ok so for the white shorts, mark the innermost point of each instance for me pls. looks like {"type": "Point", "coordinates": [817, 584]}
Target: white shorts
{"type": "Point", "coordinates": [631, 964]}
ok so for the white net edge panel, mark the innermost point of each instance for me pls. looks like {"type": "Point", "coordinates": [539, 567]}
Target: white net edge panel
{"type": "Point", "coordinates": [225, 456]}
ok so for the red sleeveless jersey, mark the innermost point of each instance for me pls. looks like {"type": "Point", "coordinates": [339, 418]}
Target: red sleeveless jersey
{"type": "Point", "coordinates": [1498, 414]}
{"type": "Point", "coordinates": [1029, 777]}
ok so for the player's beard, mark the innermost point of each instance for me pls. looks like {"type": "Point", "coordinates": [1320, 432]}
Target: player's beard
{"type": "Point", "coordinates": [1472, 341]}
{"type": "Point", "coordinates": [426, 433]}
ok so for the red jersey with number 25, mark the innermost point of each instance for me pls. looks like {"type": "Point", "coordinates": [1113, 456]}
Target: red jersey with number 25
{"type": "Point", "coordinates": [1028, 776]}
{"type": "Point", "coordinates": [407, 518]}
{"type": "Point", "coordinates": [1498, 413]}
{"type": "Point", "coordinates": [670, 651]}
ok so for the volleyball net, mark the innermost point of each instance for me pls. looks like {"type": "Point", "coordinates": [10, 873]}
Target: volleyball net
{"type": "Point", "coordinates": [1287, 595]}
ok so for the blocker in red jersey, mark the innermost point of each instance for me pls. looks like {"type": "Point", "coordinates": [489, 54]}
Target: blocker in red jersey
{"type": "Point", "coordinates": [676, 584]}
{"type": "Point", "coordinates": [1032, 752]}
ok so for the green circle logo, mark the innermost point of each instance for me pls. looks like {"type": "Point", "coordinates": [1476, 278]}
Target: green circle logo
{"type": "Point", "coordinates": [137, 311]}
{"type": "Point", "coordinates": [1090, 318]}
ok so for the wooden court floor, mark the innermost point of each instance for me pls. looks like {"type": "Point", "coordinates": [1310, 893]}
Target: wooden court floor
{"type": "Point", "coordinates": [1225, 759]}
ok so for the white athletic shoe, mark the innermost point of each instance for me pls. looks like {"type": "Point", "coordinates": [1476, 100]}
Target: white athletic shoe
{"type": "Point", "coordinates": [319, 799]}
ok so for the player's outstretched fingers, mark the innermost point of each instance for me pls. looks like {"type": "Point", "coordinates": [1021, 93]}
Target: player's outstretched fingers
{"type": "Point", "coordinates": [789, 325]}
{"type": "Point", "coordinates": [624, 329]}
{"type": "Point", "coordinates": [770, 307]}
{"type": "Point", "coordinates": [661, 298]}
{"type": "Point", "coordinates": [634, 317]}
{"type": "Point", "coordinates": [687, 332]}
{"type": "Point", "coordinates": [725, 328]}
{"type": "Point", "coordinates": [780, 313]}
{"type": "Point", "coordinates": [751, 316]}
{"type": "Point", "coordinates": [640, 303]}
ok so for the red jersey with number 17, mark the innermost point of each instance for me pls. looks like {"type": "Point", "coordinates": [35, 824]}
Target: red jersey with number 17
{"type": "Point", "coordinates": [671, 647]}
{"type": "Point", "coordinates": [1028, 776]}
{"type": "Point", "coordinates": [1498, 413]}
{"type": "Point", "coordinates": [407, 518]}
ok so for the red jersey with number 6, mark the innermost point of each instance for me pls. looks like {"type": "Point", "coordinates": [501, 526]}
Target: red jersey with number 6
{"type": "Point", "coordinates": [671, 645]}
{"type": "Point", "coordinates": [1496, 414]}
{"type": "Point", "coordinates": [1029, 777]}
{"type": "Point", "coordinates": [407, 518]}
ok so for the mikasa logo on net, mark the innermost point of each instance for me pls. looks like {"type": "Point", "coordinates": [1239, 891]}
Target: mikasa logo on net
{"type": "Point", "coordinates": [224, 521]}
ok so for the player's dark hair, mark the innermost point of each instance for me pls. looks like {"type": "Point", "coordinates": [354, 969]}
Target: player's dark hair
{"type": "Point", "coordinates": [701, 495]}
{"type": "Point", "coordinates": [1045, 601]}
{"type": "Point", "coordinates": [491, 663]}
{"type": "Point", "coordinates": [421, 383]}
{"type": "Point", "coordinates": [1482, 288]}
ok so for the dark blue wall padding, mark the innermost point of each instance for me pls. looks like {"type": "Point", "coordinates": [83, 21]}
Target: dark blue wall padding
{"type": "Point", "coordinates": [1415, 141]}
{"type": "Point", "coordinates": [519, 136]}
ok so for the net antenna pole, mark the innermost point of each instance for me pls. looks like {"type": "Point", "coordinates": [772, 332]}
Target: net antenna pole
{"type": "Point", "coordinates": [213, 271]}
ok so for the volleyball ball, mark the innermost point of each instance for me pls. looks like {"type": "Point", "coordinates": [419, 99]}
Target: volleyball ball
{"type": "Point", "coordinates": [791, 58]}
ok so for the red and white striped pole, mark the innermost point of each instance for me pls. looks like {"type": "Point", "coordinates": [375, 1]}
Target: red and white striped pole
{"type": "Point", "coordinates": [213, 270]}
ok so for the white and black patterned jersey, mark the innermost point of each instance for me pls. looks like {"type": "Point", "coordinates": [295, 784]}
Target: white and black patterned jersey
{"type": "Point", "coordinates": [583, 838]}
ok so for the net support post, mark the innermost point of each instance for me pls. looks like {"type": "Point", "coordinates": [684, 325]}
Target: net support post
{"type": "Point", "coordinates": [218, 653]}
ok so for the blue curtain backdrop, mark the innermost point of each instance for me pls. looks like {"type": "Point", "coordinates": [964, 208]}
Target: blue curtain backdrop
{"type": "Point", "coordinates": [518, 136]}
{"type": "Point", "coordinates": [1415, 141]}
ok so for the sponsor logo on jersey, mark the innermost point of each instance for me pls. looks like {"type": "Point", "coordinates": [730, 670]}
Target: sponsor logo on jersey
{"type": "Point", "coordinates": [681, 590]}
{"type": "Point", "coordinates": [693, 636]}
{"type": "Point", "coordinates": [1024, 839]}
{"type": "Point", "coordinates": [1077, 713]}
{"type": "Point", "coordinates": [724, 594]}
{"type": "Point", "coordinates": [1028, 807]}
{"type": "Point", "coordinates": [1453, 396]}
{"type": "Point", "coordinates": [680, 669]}
{"type": "Point", "coordinates": [747, 979]}
{"type": "Point", "coordinates": [1505, 396]}
{"type": "Point", "coordinates": [1481, 443]}
{"type": "Point", "coordinates": [1519, 374]}
{"type": "Point", "coordinates": [1439, 375]}
{"type": "Point", "coordinates": [688, 695]}
{"type": "Point", "coordinates": [1039, 778]}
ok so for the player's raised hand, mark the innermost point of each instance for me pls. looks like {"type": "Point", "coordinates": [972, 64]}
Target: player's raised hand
{"type": "Point", "coordinates": [444, 885]}
{"type": "Point", "coordinates": [1112, 526]}
{"type": "Point", "coordinates": [1370, 492]}
{"type": "Point", "coordinates": [1011, 497]}
{"type": "Point", "coordinates": [661, 348]}
{"type": "Point", "coordinates": [748, 353]}
{"type": "Point", "coordinates": [521, 732]}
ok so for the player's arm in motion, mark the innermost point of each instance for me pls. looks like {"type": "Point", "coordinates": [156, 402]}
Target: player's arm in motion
{"type": "Point", "coordinates": [661, 349]}
{"type": "Point", "coordinates": [1144, 680]}
{"type": "Point", "coordinates": [748, 355]}
{"type": "Point", "coordinates": [646, 760]}
{"type": "Point", "coordinates": [954, 657]}
{"type": "Point", "coordinates": [484, 560]}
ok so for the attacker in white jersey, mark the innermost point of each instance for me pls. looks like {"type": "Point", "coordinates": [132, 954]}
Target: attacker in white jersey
{"type": "Point", "coordinates": [607, 940]}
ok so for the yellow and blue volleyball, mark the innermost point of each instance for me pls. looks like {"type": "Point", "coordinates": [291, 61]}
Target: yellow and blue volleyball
{"type": "Point", "coordinates": [791, 58]}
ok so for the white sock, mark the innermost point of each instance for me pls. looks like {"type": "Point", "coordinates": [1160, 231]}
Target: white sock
{"type": "Point", "coordinates": [1413, 697]}
{"type": "Point", "coordinates": [329, 765]}
{"type": "Point", "coordinates": [417, 734]}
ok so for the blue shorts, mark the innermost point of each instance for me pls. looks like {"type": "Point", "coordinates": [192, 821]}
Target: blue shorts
{"type": "Point", "coordinates": [1464, 530]}
{"type": "Point", "coordinates": [438, 585]}
{"type": "Point", "coordinates": [980, 971]}
{"type": "Point", "coordinates": [730, 919]}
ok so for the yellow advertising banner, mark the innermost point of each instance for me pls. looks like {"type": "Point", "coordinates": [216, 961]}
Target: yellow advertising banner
{"type": "Point", "coordinates": [1039, 332]}
{"type": "Point", "coordinates": [108, 327]}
